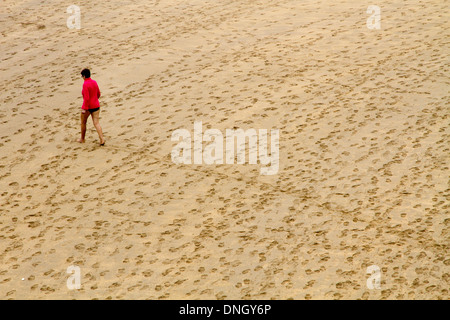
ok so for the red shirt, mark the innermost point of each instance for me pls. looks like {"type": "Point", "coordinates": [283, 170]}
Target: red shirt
{"type": "Point", "coordinates": [90, 93]}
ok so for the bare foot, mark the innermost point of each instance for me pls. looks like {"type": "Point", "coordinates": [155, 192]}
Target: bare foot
{"type": "Point", "coordinates": [102, 143]}
{"type": "Point", "coordinates": [80, 140]}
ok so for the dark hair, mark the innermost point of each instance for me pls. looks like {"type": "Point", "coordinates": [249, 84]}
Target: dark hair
{"type": "Point", "coordinates": [86, 73]}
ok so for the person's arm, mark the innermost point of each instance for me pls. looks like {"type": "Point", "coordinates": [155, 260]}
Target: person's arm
{"type": "Point", "coordinates": [85, 93]}
{"type": "Point", "coordinates": [98, 92]}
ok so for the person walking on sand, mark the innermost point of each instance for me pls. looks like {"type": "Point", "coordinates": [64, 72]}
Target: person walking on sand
{"type": "Point", "coordinates": [91, 106]}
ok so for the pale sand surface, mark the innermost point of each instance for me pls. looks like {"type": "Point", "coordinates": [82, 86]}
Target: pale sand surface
{"type": "Point", "coordinates": [364, 150]}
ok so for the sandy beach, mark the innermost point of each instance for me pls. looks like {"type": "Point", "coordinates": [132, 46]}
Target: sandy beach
{"type": "Point", "coordinates": [364, 153]}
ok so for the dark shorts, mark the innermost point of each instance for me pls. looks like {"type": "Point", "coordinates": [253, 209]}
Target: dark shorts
{"type": "Point", "coordinates": [93, 110]}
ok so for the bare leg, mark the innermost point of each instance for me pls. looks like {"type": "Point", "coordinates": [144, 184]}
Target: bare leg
{"type": "Point", "coordinates": [95, 120]}
{"type": "Point", "coordinates": [84, 116]}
